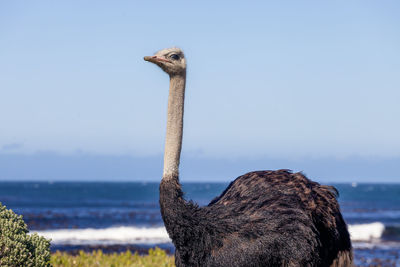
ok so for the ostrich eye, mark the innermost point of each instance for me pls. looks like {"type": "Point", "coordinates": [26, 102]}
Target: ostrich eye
{"type": "Point", "coordinates": [174, 56]}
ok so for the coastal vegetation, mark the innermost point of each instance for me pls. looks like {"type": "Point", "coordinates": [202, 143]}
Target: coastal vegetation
{"type": "Point", "coordinates": [17, 247]}
{"type": "Point", "coordinates": [156, 258]}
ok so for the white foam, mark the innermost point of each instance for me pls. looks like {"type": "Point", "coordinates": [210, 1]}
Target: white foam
{"type": "Point", "coordinates": [366, 232]}
{"type": "Point", "coordinates": [157, 235]}
{"type": "Point", "coordinates": [112, 235]}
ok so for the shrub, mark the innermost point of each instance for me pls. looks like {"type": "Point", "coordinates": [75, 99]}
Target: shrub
{"type": "Point", "coordinates": [17, 247]}
{"type": "Point", "coordinates": [156, 258]}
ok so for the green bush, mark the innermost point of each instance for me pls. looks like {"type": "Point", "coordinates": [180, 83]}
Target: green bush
{"type": "Point", "coordinates": [17, 247]}
{"type": "Point", "coordinates": [156, 258]}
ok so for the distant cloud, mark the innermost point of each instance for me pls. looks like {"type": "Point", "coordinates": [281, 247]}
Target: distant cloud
{"type": "Point", "coordinates": [12, 146]}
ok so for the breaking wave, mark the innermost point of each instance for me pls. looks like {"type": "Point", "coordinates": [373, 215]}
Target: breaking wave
{"type": "Point", "coordinates": [365, 233]}
{"type": "Point", "coordinates": [107, 236]}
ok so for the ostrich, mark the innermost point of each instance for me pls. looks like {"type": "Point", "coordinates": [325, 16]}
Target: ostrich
{"type": "Point", "coordinates": [263, 218]}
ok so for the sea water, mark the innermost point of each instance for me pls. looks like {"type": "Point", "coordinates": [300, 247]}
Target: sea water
{"type": "Point", "coordinates": [118, 213]}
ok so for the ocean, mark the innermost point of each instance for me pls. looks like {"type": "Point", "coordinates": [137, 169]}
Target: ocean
{"type": "Point", "coordinates": [120, 215]}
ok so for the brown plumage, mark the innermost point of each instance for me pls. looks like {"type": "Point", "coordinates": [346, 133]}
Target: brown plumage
{"type": "Point", "coordinates": [289, 196]}
{"type": "Point", "coordinates": [263, 218]}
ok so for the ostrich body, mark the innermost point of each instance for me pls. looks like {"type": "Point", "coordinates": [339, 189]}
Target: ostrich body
{"type": "Point", "coordinates": [263, 218]}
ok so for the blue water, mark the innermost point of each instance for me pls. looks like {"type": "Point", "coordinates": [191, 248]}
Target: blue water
{"type": "Point", "coordinates": [96, 205]}
{"type": "Point", "coordinates": [99, 205]}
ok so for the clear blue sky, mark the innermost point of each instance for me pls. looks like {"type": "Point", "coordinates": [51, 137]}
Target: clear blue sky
{"type": "Point", "coordinates": [296, 81]}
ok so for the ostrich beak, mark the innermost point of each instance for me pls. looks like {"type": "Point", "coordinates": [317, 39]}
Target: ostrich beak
{"type": "Point", "coordinates": [156, 59]}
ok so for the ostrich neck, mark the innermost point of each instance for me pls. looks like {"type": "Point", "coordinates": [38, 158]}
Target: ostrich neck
{"type": "Point", "coordinates": [173, 206]}
{"type": "Point", "coordinates": [173, 140]}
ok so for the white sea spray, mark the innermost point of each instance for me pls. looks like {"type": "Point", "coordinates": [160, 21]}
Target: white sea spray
{"type": "Point", "coordinates": [111, 235]}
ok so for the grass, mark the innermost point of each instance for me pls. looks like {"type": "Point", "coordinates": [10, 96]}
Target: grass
{"type": "Point", "coordinates": [156, 257]}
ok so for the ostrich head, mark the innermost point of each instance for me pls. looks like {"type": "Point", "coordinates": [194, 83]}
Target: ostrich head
{"type": "Point", "coordinates": [171, 60]}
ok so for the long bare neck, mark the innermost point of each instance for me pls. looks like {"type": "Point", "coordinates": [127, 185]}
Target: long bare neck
{"type": "Point", "coordinates": [172, 204]}
{"type": "Point", "coordinates": [173, 140]}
